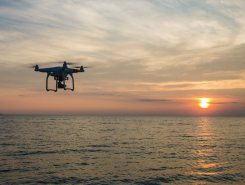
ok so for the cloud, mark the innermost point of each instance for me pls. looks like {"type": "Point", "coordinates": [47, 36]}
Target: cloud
{"type": "Point", "coordinates": [223, 102]}
{"type": "Point", "coordinates": [138, 48]}
{"type": "Point", "coordinates": [153, 100]}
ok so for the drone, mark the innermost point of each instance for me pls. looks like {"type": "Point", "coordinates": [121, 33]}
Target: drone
{"type": "Point", "coordinates": [60, 75]}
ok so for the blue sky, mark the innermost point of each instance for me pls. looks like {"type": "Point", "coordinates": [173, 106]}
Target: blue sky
{"type": "Point", "coordinates": [140, 50]}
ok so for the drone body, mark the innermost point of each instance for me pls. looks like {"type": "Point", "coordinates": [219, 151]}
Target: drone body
{"type": "Point", "coordinates": [60, 75]}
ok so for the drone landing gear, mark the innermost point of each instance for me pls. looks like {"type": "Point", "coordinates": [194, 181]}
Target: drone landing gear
{"type": "Point", "coordinates": [55, 90]}
{"type": "Point", "coordinates": [59, 84]}
{"type": "Point", "coordinates": [67, 79]}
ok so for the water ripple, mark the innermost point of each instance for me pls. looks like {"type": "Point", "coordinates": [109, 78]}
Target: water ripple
{"type": "Point", "coordinates": [121, 150]}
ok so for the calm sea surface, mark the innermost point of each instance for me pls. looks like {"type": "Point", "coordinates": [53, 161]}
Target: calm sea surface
{"type": "Point", "coordinates": [121, 150]}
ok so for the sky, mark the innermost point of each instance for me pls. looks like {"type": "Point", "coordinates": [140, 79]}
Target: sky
{"type": "Point", "coordinates": [147, 57]}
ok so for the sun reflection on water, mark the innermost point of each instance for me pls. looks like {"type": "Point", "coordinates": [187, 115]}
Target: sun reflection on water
{"type": "Point", "coordinates": [205, 165]}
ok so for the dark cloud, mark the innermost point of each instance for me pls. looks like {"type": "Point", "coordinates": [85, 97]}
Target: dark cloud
{"type": "Point", "coordinates": [222, 102]}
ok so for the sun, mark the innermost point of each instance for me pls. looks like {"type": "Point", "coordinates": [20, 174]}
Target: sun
{"type": "Point", "coordinates": [204, 103]}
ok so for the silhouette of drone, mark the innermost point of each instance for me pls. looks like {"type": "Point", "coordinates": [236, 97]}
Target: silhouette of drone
{"type": "Point", "coordinates": [60, 75]}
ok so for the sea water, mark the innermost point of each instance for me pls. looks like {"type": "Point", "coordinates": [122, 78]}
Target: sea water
{"type": "Point", "coordinates": [121, 150]}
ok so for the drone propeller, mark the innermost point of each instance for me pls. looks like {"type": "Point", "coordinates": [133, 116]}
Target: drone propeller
{"type": "Point", "coordinates": [68, 63]}
{"type": "Point", "coordinates": [48, 64]}
{"type": "Point", "coordinates": [80, 67]}
{"type": "Point", "coordinates": [31, 66]}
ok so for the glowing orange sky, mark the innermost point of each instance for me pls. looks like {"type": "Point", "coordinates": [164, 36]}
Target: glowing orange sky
{"type": "Point", "coordinates": [154, 60]}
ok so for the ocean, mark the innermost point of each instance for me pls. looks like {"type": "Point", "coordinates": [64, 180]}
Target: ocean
{"type": "Point", "coordinates": [121, 150]}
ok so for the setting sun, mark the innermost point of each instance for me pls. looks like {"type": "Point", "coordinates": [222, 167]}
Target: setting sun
{"type": "Point", "coordinates": [204, 102]}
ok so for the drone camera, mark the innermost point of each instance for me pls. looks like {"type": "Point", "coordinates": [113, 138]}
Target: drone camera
{"type": "Point", "coordinates": [60, 85]}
